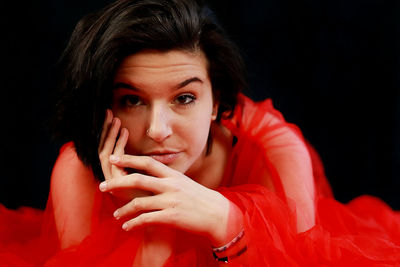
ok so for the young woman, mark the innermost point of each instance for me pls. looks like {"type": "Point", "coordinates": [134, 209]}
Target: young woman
{"type": "Point", "coordinates": [169, 164]}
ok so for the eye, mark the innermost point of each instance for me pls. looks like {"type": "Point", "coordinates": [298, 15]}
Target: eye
{"type": "Point", "coordinates": [185, 99]}
{"type": "Point", "coordinates": [130, 101]}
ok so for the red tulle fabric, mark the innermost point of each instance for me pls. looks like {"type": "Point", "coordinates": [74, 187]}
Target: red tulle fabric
{"type": "Point", "coordinates": [364, 232]}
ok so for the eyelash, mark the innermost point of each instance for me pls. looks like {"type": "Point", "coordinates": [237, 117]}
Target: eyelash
{"type": "Point", "coordinates": [186, 95]}
{"type": "Point", "coordinates": [134, 100]}
{"type": "Point", "coordinates": [126, 101]}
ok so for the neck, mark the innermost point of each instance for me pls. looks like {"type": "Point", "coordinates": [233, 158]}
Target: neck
{"type": "Point", "coordinates": [209, 169]}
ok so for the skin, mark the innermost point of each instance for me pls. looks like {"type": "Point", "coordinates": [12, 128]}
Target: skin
{"type": "Point", "coordinates": [161, 117]}
{"type": "Point", "coordinates": [162, 192]}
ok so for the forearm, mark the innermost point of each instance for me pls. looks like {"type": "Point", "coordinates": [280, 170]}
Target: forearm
{"type": "Point", "coordinates": [156, 246]}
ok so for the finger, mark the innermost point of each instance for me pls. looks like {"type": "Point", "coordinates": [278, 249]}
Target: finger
{"type": "Point", "coordinates": [134, 181]}
{"type": "Point", "coordinates": [106, 126]}
{"type": "Point", "coordinates": [108, 147]}
{"type": "Point", "coordinates": [144, 163]}
{"type": "Point", "coordinates": [112, 135]}
{"type": "Point", "coordinates": [119, 150]}
{"type": "Point", "coordinates": [144, 204]}
{"type": "Point", "coordinates": [148, 218]}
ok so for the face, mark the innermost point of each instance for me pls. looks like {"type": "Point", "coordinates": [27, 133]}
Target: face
{"type": "Point", "coordinates": [165, 101]}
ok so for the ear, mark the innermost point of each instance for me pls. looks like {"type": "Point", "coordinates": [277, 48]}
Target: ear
{"type": "Point", "coordinates": [214, 111]}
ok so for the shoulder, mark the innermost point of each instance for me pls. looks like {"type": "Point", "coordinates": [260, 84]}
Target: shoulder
{"type": "Point", "coordinates": [69, 168]}
{"type": "Point", "coordinates": [258, 120]}
{"type": "Point", "coordinates": [72, 193]}
{"type": "Point", "coordinates": [267, 142]}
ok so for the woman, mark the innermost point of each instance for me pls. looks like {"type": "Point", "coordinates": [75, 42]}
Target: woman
{"type": "Point", "coordinates": [194, 172]}
{"type": "Point", "coordinates": [168, 79]}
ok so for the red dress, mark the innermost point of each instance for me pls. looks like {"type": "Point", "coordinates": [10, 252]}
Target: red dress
{"type": "Point", "coordinates": [364, 232]}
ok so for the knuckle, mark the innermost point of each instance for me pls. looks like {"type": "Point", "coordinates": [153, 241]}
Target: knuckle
{"type": "Point", "coordinates": [148, 162]}
{"type": "Point", "coordinates": [143, 219]}
{"type": "Point", "coordinates": [102, 156]}
{"type": "Point", "coordinates": [123, 158]}
{"type": "Point", "coordinates": [137, 204]}
{"type": "Point", "coordinates": [173, 203]}
{"type": "Point", "coordinates": [175, 185]}
{"type": "Point", "coordinates": [134, 180]}
{"type": "Point", "coordinates": [133, 203]}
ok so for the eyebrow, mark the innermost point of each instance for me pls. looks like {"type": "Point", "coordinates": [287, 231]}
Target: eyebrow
{"type": "Point", "coordinates": [186, 82]}
{"type": "Point", "coordinates": [121, 85]}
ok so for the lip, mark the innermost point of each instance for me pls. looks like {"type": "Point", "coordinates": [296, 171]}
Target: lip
{"type": "Point", "coordinates": [164, 157]}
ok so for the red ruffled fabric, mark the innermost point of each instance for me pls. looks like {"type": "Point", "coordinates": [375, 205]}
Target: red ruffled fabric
{"type": "Point", "coordinates": [364, 232]}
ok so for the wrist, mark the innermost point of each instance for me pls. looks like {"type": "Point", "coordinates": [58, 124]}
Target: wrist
{"type": "Point", "coordinates": [229, 227]}
{"type": "Point", "coordinates": [231, 250]}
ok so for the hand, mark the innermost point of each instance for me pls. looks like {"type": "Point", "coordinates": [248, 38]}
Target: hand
{"type": "Point", "coordinates": [178, 201]}
{"type": "Point", "coordinates": [108, 146]}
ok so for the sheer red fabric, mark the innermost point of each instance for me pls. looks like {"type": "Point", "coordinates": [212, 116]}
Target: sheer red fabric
{"type": "Point", "coordinates": [274, 176]}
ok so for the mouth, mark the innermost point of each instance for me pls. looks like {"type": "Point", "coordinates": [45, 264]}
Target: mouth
{"type": "Point", "coordinates": [165, 158]}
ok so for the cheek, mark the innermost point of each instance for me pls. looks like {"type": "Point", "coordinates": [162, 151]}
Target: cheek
{"type": "Point", "coordinates": [135, 127]}
{"type": "Point", "coordinates": [196, 133]}
{"type": "Point", "coordinates": [200, 124]}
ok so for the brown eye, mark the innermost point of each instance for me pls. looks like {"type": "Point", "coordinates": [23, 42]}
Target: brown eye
{"type": "Point", "coordinates": [185, 99]}
{"type": "Point", "coordinates": [130, 101]}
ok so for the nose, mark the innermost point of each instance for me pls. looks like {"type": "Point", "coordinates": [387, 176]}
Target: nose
{"type": "Point", "coordinates": [159, 123]}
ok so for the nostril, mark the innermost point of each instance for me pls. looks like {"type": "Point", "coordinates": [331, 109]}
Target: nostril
{"type": "Point", "coordinates": [159, 128]}
{"type": "Point", "coordinates": [159, 133]}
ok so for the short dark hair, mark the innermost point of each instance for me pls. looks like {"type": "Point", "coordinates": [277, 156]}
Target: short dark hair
{"type": "Point", "coordinates": [100, 42]}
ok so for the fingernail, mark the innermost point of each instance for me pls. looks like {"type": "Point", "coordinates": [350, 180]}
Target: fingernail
{"type": "Point", "coordinates": [103, 186]}
{"type": "Point", "coordinates": [114, 158]}
{"type": "Point", "coordinates": [125, 226]}
{"type": "Point", "coordinates": [116, 214]}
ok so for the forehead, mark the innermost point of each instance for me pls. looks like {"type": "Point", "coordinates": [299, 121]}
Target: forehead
{"type": "Point", "coordinates": [153, 62]}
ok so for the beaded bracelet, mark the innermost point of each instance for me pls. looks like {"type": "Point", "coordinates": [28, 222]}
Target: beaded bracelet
{"type": "Point", "coordinates": [227, 258]}
{"type": "Point", "coordinates": [230, 244]}
{"type": "Point", "coordinates": [235, 240]}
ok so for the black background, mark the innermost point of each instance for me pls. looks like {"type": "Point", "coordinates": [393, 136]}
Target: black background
{"type": "Point", "coordinates": [332, 67]}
